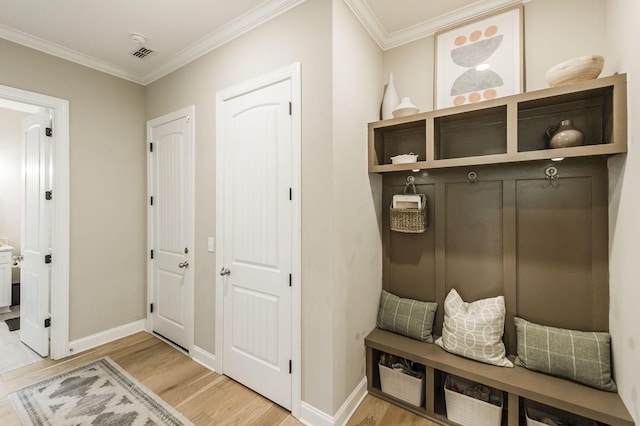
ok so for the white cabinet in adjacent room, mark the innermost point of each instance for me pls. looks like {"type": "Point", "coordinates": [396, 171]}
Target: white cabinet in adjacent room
{"type": "Point", "coordinates": [5, 278]}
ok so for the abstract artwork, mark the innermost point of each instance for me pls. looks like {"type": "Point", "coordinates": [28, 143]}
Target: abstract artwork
{"type": "Point", "coordinates": [479, 61]}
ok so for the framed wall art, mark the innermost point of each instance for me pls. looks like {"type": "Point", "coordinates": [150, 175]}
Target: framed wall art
{"type": "Point", "coordinates": [479, 60]}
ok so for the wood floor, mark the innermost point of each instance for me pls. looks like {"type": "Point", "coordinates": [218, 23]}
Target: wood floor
{"type": "Point", "coordinates": [205, 397]}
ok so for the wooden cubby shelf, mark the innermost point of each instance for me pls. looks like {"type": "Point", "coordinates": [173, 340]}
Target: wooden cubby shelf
{"type": "Point", "coordinates": [509, 129]}
{"type": "Point", "coordinates": [516, 383]}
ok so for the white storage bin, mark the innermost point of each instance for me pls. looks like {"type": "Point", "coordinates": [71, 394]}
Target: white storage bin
{"type": "Point", "coordinates": [470, 411]}
{"type": "Point", "coordinates": [536, 413]}
{"type": "Point", "coordinates": [402, 386]}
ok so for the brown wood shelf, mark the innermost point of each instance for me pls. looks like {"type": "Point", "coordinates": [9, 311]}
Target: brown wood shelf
{"type": "Point", "coordinates": [506, 130]}
{"type": "Point", "coordinates": [516, 382]}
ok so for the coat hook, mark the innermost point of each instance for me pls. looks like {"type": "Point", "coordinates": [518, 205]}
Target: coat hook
{"type": "Point", "coordinates": [472, 177]}
{"type": "Point", "coordinates": [551, 173]}
{"type": "Point", "coordinates": [410, 185]}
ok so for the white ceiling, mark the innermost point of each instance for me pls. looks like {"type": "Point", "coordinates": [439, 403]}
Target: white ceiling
{"type": "Point", "coordinates": [97, 34]}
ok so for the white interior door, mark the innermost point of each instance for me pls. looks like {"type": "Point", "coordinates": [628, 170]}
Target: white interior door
{"type": "Point", "coordinates": [257, 240]}
{"type": "Point", "coordinates": [171, 226]}
{"type": "Point", "coordinates": [35, 272]}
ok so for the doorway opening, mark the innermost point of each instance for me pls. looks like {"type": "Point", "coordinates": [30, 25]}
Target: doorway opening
{"type": "Point", "coordinates": [55, 321]}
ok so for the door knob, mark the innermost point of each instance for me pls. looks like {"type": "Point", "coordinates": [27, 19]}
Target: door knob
{"type": "Point", "coordinates": [225, 271]}
{"type": "Point", "coordinates": [184, 264]}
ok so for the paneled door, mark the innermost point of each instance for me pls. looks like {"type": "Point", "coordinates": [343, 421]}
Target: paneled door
{"type": "Point", "coordinates": [35, 272]}
{"type": "Point", "coordinates": [171, 226]}
{"type": "Point", "coordinates": [257, 236]}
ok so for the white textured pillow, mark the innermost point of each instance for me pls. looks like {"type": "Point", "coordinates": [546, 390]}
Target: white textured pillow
{"type": "Point", "coordinates": [474, 330]}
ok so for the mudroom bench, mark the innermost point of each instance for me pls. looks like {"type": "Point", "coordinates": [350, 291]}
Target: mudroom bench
{"type": "Point", "coordinates": [517, 383]}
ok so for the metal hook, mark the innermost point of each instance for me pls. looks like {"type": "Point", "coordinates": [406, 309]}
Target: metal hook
{"type": "Point", "coordinates": [411, 180]}
{"type": "Point", "coordinates": [551, 173]}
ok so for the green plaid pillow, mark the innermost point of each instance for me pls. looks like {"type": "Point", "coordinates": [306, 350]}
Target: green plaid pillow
{"type": "Point", "coordinates": [580, 356]}
{"type": "Point", "coordinates": [408, 317]}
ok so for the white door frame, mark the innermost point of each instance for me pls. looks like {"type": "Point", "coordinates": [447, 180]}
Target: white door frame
{"type": "Point", "coordinates": [190, 112]}
{"type": "Point", "coordinates": [60, 212]}
{"type": "Point", "coordinates": [292, 73]}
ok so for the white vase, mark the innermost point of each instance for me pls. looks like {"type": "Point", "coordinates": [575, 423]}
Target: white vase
{"type": "Point", "coordinates": [390, 99]}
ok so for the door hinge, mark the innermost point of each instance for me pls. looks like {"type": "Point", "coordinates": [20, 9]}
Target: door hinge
{"type": "Point", "coordinates": [47, 258]}
{"type": "Point", "coordinates": [151, 200]}
{"type": "Point", "coordinates": [47, 322]}
{"type": "Point", "coordinates": [290, 367]}
{"type": "Point", "coordinates": [48, 195]}
{"type": "Point", "coordinates": [290, 108]}
{"type": "Point", "coordinates": [152, 254]}
{"type": "Point", "coordinates": [151, 307]}
{"type": "Point", "coordinates": [48, 131]}
{"type": "Point", "coordinates": [290, 280]}
{"type": "Point", "coordinates": [150, 146]}
{"type": "Point", "coordinates": [290, 194]}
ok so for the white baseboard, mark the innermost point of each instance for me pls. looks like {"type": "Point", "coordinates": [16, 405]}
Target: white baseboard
{"type": "Point", "coordinates": [204, 358]}
{"type": "Point", "coordinates": [309, 415]}
{"type": "Point", "coordinates": [351, 404]}
{"type": "Point", "coordinates": [90, 342]}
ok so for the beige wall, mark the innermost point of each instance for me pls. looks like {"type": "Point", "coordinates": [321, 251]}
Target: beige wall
{"type": "Point", "coordinates": [356, 202]}
{"type": "Point", "coordinates": [301, 35]}
{"type": "Point", "coordinates": [108, 194]}
{"type": "Point", "coordinates": [549, 38]}
{"type": "Point", "coordinates": [624, 211]}
{"type": "Point", "coordinates": [412, 67]}
{"type": "Point", "coordinates": [11, 179]}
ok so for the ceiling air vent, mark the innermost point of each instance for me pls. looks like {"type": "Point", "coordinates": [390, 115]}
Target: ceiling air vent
{"type": "Point", "coordinates": [142, 53]}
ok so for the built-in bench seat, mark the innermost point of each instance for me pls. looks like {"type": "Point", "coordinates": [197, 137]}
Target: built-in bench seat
{"type": "Point", "coordinates": [517, 382]}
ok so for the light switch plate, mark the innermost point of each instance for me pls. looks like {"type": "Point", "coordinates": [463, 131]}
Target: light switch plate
{"type": "Point", "coordinates": [210, 244]}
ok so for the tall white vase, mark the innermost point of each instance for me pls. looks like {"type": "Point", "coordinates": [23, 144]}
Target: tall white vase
{"type": "Point", "coordinates": [390, 99]}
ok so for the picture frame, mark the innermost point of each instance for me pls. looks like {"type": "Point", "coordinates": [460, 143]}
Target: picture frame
{"type": "Point", "coordinates": [479, 60]}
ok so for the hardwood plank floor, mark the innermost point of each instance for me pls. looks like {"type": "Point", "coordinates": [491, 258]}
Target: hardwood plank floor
{"type": "Point", "coordinates": [203, 396]}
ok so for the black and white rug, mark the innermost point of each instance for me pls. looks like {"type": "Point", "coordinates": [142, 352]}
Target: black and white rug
{"type": "Point", "coordinates": [98, 393]}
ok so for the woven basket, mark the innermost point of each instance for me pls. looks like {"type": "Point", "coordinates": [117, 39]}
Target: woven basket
{"type": "Point", "coordinates": [536, 410]}
{"type": "Point", "coordinates": [469, 411]}
{"type": "Point", "coordinates": [402, 386]}
{"type": "Point", "coordinates": [412, 221]}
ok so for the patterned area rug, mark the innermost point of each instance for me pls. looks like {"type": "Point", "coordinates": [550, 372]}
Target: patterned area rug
{"type": "Point", "coordinates": [98, 393]}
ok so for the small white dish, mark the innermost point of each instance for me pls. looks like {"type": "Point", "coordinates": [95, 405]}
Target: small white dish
{"type": "Point", "coordinates": [404, 158]}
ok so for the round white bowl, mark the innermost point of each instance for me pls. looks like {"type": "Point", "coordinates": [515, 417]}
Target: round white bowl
{"type": "Point", "coordinates": [574, 70]}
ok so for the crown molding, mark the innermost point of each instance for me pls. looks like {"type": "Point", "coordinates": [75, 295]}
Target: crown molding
{"type": "Point", "coordinates": [54, 49]}
{"type": "Point", "coordinates": [423, 29]}
{"type": "Point", "coordinates": [247, 22]}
